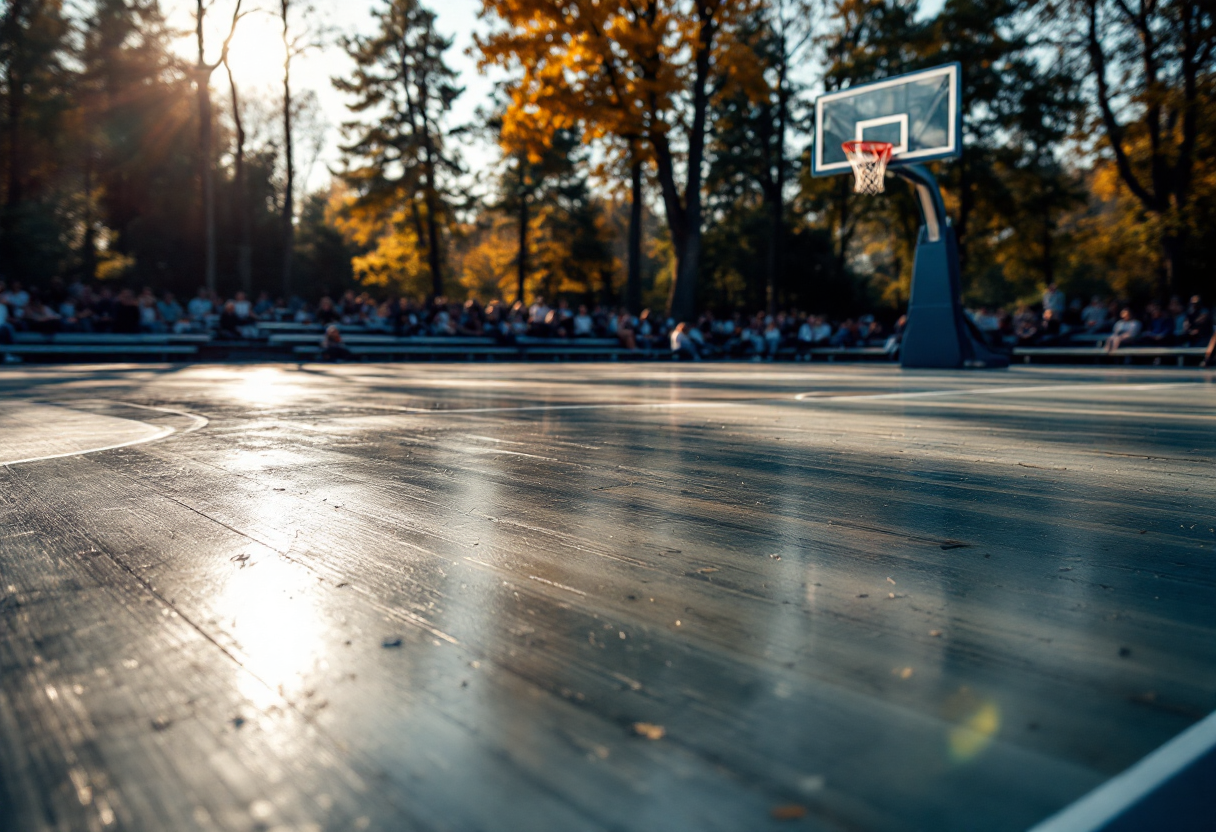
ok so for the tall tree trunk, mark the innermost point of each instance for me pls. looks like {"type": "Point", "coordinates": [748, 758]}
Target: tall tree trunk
{"type": "Point", "coordinates": [844, 234]}
{"type": "Point", "coordinates": [244, 259]}
{"type": "Point", "coordinates": [206, 174]}
{"type": "Point", "coordinates": [14, 113]}
{"type": "Point", "coordinates": [1171, 264]}
{"type": "Point", "coordinates": [681, 303]}
{"type": "Point", "coordinates": [289, 193]}
{"type": "Point", "coordinates": [521, 260]}
{"type": "Point", "coordinates": [88, 252]}
{"type": "Point", "coordinates": [966, 202]}
{"type": "Point", "coordinates": [207, 178]}
{"type": "Point", "coordinates": [633, 282]}
{"type": "Point", "coordinates": [431, 195]}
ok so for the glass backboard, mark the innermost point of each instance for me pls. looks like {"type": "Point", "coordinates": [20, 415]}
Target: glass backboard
{"type": "Point", "coordinates": [919, 113]}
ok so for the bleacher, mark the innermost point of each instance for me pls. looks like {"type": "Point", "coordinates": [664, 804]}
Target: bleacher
{"type": "Point", "coordinates": [302, 342]}
{"type": "Point", "coordinates": [76, 346]}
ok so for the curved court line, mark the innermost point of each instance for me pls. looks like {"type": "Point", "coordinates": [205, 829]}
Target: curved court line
{"type": "Point", "coordinates": [200, 422]}
{"type": "Point", "coordinates": [163, 433]}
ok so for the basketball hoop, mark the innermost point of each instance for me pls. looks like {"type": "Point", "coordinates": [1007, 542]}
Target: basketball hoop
{"type": "Point", "coordinates": [869, 161]}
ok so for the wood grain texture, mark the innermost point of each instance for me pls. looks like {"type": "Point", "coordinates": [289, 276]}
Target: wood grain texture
{"type": "Point", "coordinates": [442, 597]}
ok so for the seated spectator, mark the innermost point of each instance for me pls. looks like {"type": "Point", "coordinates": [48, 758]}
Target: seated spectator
{"type": "Point", "coordinates": [200, 306]}
{"type": "Point", "coordinates": [556, 325]}
{"type": "Point", "coordinates": [1160, 329]}
{"type": "Point", "coordinates": [682, 345]}
{"type": "Point", "coordinates": [1094, 317]}
{"type": "Point", "coordinates": [846, 336]}
{"type": "Point", "coordinates": [169, 309]}
{"type": "Point", "coordinates": [897, 337]}
{"type": "Point", "coordinates": [1125, 331]}
{"type": "Point", "coordinates": [821, 330]}
{"type": "Point", "coordinates": [987, 320]}
{"type": "Point", "coordinates": [1071, 320]}
{"type": "Point", "coordinates": [625, 332]}
{"type": "Point", "coordinates": [1026, 327]}
{"type": "Point", "coordinates": [264, 308]}
{"type": "Point", "coordinates": [1198, 323]}
{"type": "Point", "coordinates": [7, 334]}
{"type": "Point", "coordinates": [805, 340]}
{"type": "Point", "coordinates": [326, 313]}
{"type": "Point", "coordinates": [18, 298]}
{"type": "Point", "coordinates": [230, 323]}
{"type": "Point", "coordinates": [242, 306]}
{"type": "Point", "coordinates": [583, 324]}
{"type": "Point", "coordinates": [126, 313]}
{"type": "Point", "coordinates": [1177, 313]}
{"type": "Point", "coordinates": [149, 320]}
{"type": "Point", "coordinates": [1054, 300]}
{"type": "Point", "coordinates": [772, 339]}
{"type": "Point", "coordinates": [1050, 331]}
{"type": "Point", "coordinates": [868, 328]}
{"type": "Point", "coordinates": [645, 331]}
{"type": "Point", "coordinates": [332, 348]}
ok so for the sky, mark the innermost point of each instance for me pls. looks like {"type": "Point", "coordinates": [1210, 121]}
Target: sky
{"type": "Point", "coordinates": [257, 58]}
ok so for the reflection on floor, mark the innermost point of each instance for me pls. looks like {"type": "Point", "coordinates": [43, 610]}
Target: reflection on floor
{"type": "Point", "coordinates": [594, 596]}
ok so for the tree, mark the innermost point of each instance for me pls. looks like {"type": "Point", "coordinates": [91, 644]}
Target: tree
{"type": "Point", "coordinates": [297, 39]}
{"type": "Point", "coordinates": [36, 88]}
{"type": "Point", "coordinates": [399, 155]}
{"type": "Point", "coordinates": [547, 191]}
{"type": "Point", "coordinates": [133, 102]}
{"type": "Point", "coordinates": [625, 70]}
{"type": "Point", "coordinates": [1148, 62]}
{"type": "Point", "coordinates": [202, 79]}
{"type": "Point", "coordinates": [752, 125]}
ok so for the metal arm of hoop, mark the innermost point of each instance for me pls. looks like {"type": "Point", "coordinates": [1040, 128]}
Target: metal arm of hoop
{"type": "Point", "coordinates": [928, 195]}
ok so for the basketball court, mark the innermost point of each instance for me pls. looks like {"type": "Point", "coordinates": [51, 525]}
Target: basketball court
{"type": "Point", "coordinates": [597, 596]}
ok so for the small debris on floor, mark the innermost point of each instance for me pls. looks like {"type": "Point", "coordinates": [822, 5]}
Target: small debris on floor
{"type": "Point", "coordinates": [890, 580]}
{"type": "Point", "coordinates": [649, 730]}
{"type": "Point", "coordinates": [775, 557]}
{"type": "Point", "coordinates": [864, 595]}
{"type": "Point", "coordinates": [160, 723]}
{"type": "Point", "coordinates": [237, 722]}
{"type": "Point", "coordinates": [708, 569]}
{"type": "Point", "coordinates": [790, 811]}
{"type": "Point", "coordinates": [1065, 568]}
{"type": "Point", "coordinates": [935, 633]}
{"type": "Point", "coordinates": [903, 672]}
{"type": "Point", "coordinates": [955, 544]}
{"type": "Point", "coordinates": [391, 641]}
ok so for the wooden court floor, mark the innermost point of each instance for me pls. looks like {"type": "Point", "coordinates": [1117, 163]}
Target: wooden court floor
{"type": "Point", "coordinates": [595, 597]}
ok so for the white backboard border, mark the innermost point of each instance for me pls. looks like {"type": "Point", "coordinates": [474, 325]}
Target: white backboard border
{"type": "Point", "coordinates": [900, 155]}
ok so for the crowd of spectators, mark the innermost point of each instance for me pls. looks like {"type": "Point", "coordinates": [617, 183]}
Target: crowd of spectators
{"type": "Point", "coordinates": [78, 308]}
{"type": "Point", "coordinates": [1055, 321]}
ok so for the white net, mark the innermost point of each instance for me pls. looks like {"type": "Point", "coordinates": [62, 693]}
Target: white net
{"type": "Point", "coordinates": [869, 161]}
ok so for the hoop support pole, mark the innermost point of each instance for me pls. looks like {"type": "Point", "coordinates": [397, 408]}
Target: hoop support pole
{"type": "Point", "coordinates": [939, 334]}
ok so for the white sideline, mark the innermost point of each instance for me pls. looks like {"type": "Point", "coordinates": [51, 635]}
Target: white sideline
{"type": "Point", "coordinates": [1118, 794]}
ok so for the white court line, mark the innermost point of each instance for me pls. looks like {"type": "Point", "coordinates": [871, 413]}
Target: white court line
{"type": "Point", "coordinates": [199, 422]}
{"type": "Point", "coordinates": [545, 407]}
{"type": "Point", "coordinates": [1103, 806]}
{"type": "Point", "coordinates": [977, 391]}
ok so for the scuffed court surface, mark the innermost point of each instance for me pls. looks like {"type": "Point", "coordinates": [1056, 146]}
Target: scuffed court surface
{"type": "Point", "coordinates": [585, 597]}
